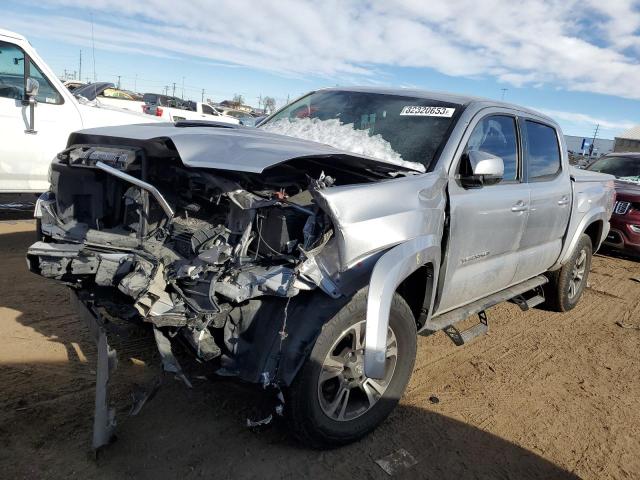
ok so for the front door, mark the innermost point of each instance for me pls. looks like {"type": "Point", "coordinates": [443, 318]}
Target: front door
{"type": "Point", "coordinates": [487, 223]}
{"type": "Point", "coordinates": [25, 157]}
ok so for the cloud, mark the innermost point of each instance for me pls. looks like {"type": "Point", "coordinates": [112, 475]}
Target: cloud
{"type": "Point", "coordinates": [582, 120]}
{"type": "Point", "coordinates": [588, 46]}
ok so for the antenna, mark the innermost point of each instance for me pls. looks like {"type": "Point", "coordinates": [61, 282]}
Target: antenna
{"type": "Point", "coordinates": [504, 90]}
{"type": "Point", "coordinates": [93, 50]}
{"type": "Point", "coordinates": [93, 53]}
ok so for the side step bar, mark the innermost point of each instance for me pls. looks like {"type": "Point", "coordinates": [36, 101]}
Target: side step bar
{"type": "Point", "coordinates": [452, 317]}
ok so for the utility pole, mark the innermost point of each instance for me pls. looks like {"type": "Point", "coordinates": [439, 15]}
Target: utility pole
{"type": "Point", "coordinates": [504, 91]}
{"type": "Point", "coordinates": [593, 140]}
{"type": "Point", "coordinates": [166, 89]}
{"type": "Point", "coordinates": [65, 75]}
{"type": "Point", "coordinates": [118, 82]}
{"type": "Point", "coordinates": [74, 74]}
{"type": "Point", "coordinates": [80, 67]}
{"type": "Point", "coordinates": [174, 90]}
{"type": "Point", "coordinates": [202, 99]}
{"type": "Point", "coordinates": [182, 97]}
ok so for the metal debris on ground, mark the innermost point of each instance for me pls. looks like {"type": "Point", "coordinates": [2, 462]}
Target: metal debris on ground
{"type": "Point", "coordinates": [628, 326]}
{"type": "Point", "coordinates": [635, 279]}
{"type": "Point", "coordinates": [396, 462]}
{"type": "Point", "coordinates": [259, 423]}
{"type": "Point", "coordinates": [434, 399]}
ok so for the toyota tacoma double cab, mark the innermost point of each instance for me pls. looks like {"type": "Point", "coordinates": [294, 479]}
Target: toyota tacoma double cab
{"type": "Point", "coordinates": [307, 254]}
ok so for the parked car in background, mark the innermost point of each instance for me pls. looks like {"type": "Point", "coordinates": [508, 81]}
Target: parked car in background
{"type": "Point", "coordinates": [71, 85]}
{"type": "Point", "coordinates": [106, 93]}
{"type": "Point", "coordinates": [308, 267]}
{"type": "Point", "coordinates": [245, 118]}
{"type": "Point", "coordinates": [173, 109]}
{"type": "Point", "coordinates": [625, 221]}
{"type": "Point", "coordinates": [37, 114]}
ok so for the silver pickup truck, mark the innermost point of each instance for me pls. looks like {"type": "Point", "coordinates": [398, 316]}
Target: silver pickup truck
{"type": "Point", "coordinates": [306, 255]}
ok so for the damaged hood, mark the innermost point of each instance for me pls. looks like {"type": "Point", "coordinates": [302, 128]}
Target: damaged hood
{"type": "Point", "coordinates": [224, 147]}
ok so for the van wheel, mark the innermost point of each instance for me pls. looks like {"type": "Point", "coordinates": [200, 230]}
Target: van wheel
{"type": "Point", "coordinates": [332, 402]}
{"type": "Point", "coordinates": [566, 285]}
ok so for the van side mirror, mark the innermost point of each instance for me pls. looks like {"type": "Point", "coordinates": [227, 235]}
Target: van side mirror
{"type": "Point", "coordinates": [32, 87]}
{"type": "Point", "coordinates": [31, 92]}
{"type": "Point", "coordinates": [481, 169]}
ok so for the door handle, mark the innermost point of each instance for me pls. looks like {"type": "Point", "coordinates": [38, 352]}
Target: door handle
{"type": "Point", "coordinates": [519, 207]}
{"type": "Point", "coordinates": [563, 201]}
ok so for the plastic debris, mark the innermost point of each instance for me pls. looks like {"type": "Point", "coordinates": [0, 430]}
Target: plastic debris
{"type": "Point", "coordinates": [396, 462]}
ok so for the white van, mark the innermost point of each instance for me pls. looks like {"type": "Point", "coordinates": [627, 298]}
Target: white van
{"type": "Point", "coordinates": [37, 114]}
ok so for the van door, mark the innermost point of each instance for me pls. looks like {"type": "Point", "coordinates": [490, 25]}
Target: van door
{"type": "Point", "coordinates": [25, 156]}
{"type": "Point", "coordinates": [486, 223]}
{"type": "Point", "coordinates": [551, 197]}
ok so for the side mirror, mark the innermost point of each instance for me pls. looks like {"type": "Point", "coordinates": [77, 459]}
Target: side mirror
{"type": "Point", "coordinates": [31, 91]}
{"type": "Point", "coordinates": [32, 87]}
{"type": "Point", "coordinates": [482, 169]}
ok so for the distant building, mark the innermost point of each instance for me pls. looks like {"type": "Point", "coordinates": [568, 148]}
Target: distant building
{"type": "Point", "coordinates": [628, 141]}
{"type": "Point", "coordinates": [601, 146]}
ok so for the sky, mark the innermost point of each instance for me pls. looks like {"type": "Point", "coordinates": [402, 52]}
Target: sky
{"type": "Point", "coordinates": [576, 61]}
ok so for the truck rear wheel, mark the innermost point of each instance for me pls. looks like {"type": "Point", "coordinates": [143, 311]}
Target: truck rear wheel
{"type": "Point", "coordinates": [332, 402]}
{"type": "Point", "coordinates": [566, 285]}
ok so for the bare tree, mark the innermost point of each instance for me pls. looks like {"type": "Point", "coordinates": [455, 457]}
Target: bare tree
{"type": "Point", "coordinates": [238, 100]}
{"type": "Point", "coordinates": [269, 104]}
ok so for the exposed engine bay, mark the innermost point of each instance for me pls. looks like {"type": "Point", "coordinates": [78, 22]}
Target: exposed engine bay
{"type": "Point", "coordinates": [195, 253]}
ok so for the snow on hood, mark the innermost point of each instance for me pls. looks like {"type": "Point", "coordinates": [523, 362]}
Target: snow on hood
{"type": "Point", "coordinates": [342, 136]}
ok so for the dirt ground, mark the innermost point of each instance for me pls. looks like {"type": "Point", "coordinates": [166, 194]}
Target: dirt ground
{"type": "Point", "coordinates": [543, 395]}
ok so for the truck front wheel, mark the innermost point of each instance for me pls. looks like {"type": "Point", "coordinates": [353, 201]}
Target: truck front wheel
{"type": "Point", "coordinates": [332, 402]}
{"type": "Point", "coordinates": [566, 285]}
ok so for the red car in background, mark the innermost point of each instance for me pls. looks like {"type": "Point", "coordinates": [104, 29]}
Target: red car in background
{"type": "Point", "coordinates": [625, 221]}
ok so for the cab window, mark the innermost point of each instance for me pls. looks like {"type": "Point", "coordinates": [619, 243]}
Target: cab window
{"type": "Point", "coordinates": [47, 93]}
{"type": "Point", "coordinates": [497, 135]}
{"type": "Point", "coordinates": [11, 71]}
{"type": "Point", "coordinates": [543, 152]}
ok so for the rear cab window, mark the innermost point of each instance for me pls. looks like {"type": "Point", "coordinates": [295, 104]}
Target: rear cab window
{"type": "Point", "coordinates": [543, 158]}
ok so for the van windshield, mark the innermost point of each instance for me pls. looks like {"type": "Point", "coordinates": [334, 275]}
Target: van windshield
{"type": "Point", "coordinates": [403, 130]}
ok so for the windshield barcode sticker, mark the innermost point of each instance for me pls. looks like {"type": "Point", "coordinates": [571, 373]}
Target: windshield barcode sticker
{"type": "Point", "coordinates": [418, 111]}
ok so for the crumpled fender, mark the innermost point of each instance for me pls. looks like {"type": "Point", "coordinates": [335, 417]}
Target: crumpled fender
{"type": "Point", "coordinates": [390, 270]}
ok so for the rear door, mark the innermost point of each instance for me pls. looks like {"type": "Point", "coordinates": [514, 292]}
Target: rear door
{"type": "Point", "coordinates": [551, 197]}
{"type": "Point", "coordinates": [487, 223]}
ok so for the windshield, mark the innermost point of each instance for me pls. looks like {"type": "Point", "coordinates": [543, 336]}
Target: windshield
{"type": "Point", "coordinates": [396, 129]}
{"type": "Point", "coordinates": [624, 168]}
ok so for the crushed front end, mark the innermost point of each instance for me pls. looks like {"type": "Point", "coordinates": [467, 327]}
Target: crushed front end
{"type": "Point", "coordinates": [242, 268]}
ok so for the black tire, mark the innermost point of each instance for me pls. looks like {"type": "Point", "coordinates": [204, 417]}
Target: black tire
{"type": "Point", "coordinates": [559, 293]}
{"type": "Point", "coordinates": [304, 413]}
{"type": "Point", "coordinates": [39, 235]}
